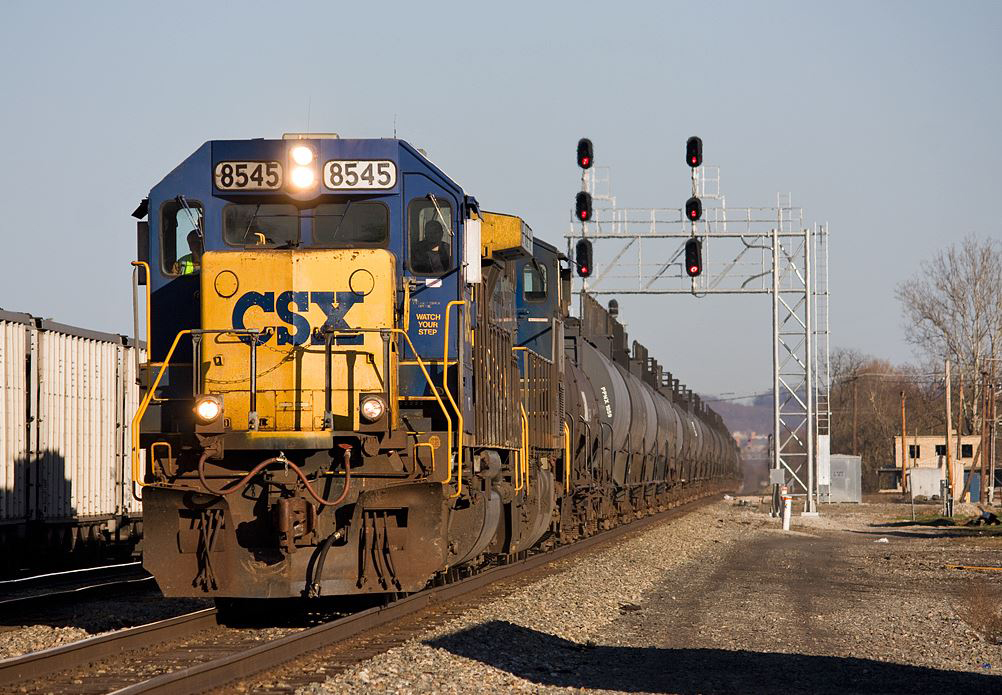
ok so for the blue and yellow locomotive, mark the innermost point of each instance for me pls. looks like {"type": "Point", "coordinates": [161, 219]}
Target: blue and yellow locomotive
{"type": "Point", "coordinates": [358, 379]}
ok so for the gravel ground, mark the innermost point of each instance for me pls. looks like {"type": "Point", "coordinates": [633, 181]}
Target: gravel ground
{"type": "Point", "coordinates": [721, 601]}
{"type": "Point", "coordinates": [87, 618]}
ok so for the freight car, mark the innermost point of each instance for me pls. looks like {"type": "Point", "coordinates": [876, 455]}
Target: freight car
{"type": "Point", "coordinates": [67, 396]}
{"type": "Point", "coordinates": [359, 379]}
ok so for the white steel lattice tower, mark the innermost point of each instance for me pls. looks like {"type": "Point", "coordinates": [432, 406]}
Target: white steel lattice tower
{"type": "Point", "coordinates": [750, 250]}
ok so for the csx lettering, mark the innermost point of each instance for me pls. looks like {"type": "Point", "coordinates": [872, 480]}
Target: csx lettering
{"type": "Point", "coordinates": [428, 323]}
{"type": "Point", "coordinates": [288, 305]}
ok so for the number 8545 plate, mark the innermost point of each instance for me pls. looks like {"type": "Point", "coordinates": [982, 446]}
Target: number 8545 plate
{"type": "Point", "coordinates": [353, 174]}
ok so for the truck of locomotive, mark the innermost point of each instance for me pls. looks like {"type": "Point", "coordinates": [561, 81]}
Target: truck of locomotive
{"type": "Point", "coordinates": [506, 420]}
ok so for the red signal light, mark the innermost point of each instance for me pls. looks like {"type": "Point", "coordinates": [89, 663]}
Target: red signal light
{"type": "Point", "coordinates": [694, 151]}
{"type": "Point", "coordinates": [582, 257]}
{"type": "Point", "coordinates": [694, 257]}
{"type": "Point", "coordinates": [586, 153]}
{"type": "Point", "coordinates": [693, 208]}
{"type": "Point", "coordinates": [582, 206]}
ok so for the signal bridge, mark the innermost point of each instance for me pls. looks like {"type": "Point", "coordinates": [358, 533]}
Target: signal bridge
{"type": "Point", "coordinates": [709, 249]}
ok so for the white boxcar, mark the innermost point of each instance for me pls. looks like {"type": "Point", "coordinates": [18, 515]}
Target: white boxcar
{"type": "Point", "coordinates": [68, 396]}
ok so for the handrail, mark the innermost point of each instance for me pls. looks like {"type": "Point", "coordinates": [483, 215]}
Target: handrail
{"type": "Point", "coordinates": [525, 445]}
{"type": "Point", "coordinates": [144, 404]}
{"type": "Point", "coordinates": [427, 376]}
{"type": "Point", "coordinates": [567, 459]}
{"type": "Point", "coordinates": [151, 392]}
{"type": "Point", "coordinates": [517, 475]}
{"type": "Point", "coordinates": [137, 418]}
{"type": "Point", "coordinates": [452, 401]}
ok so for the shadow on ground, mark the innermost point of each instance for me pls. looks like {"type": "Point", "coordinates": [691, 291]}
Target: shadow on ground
{"type": "Point", "coordinates": [548, 660]}
{"type": "Point", "coordinates": [923, 522]}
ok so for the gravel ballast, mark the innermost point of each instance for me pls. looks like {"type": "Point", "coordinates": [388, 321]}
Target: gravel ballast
{"type": "Point", "coordinates": [71, 622]}
{"type": "Point", "coordinates": [718, 601]}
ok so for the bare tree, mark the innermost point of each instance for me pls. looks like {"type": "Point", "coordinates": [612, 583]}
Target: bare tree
{"type": "Point", "coordinates": [954, 309]}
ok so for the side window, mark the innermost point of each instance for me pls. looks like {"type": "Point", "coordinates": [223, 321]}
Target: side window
{"type": "Point", "coordinates": [266, 225]}
{"type": "Point", "coordinates": [181, 237]}
{"type": "Point", "coordinates": [534, 282]}
{"type": "Point", "coordinates": [430, 236]}
{"type": "Point", "coordinates": [355, 222]}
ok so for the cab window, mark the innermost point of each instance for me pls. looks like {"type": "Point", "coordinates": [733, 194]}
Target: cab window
{"type": "Point", "coordinates": [181, 237]}
{"type": "Point", "coordinates": [354, 222]}
{"type": "Point", "coordinates": [430, 236]}
{"type": "Point", "coordinates": [534, 282]}
{"type": "Point", "coordinates": [261, 225]}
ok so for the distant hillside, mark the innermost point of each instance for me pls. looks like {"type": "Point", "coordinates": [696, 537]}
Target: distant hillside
{"type": "Point", "coordinates": [742, 416]}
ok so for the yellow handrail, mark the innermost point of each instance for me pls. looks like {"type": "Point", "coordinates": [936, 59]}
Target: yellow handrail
{"type": "Point", "coordinates": [525, 445]}
{"type": "Point", "coordinates": [452, 401]}
{"type": "Point", "coordinates": [567, 459]}
{"type": "Point", "coordinates": [438, 399]}
{"type": "Point", "coordinates": [149, 338]}
{"type": "Point", "coordinates": [136, 473]}
{"type": "Point", "coordinates": [518, 470]}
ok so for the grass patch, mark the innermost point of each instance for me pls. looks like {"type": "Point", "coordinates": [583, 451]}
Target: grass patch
{"type": "Point", "coordinates": [981, 608]}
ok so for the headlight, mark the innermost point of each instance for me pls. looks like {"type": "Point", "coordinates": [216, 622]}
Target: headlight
{"type": "Point", "coordinates": [303, 177]}
{"type": "Point", "coordinates": [302, 155]}
{"type": "Point", "coordinates": [208, 409]}
{"type": "Point", "coordinates": [372, 408]}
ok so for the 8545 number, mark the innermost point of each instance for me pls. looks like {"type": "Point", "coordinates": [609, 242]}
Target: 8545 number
{"type": "Point", "coordinates": [360, 174]}
{"type": "Point", "coordinates": [248, 176]}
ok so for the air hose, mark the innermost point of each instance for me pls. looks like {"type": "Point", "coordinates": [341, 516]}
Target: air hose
{"type": "Point", "coordinates": [242, 483]}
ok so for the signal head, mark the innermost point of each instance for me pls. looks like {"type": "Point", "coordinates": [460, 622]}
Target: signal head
{"type": "Point", "coordinates": [582, 258]}
{"type": "Point", "coordinates": [582, 206]}
{"type": "Point", "coordinates": [586, 154]}
{"type": "Point", "coordinates": [693, 208]}
{"type": "Point", "coordinates": [694, 151]}
{"type": "Point", "coordinates": [693, 257]}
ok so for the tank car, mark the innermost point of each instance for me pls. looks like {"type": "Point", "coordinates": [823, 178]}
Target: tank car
{"type": "Point", "coordinates": [360, 380]}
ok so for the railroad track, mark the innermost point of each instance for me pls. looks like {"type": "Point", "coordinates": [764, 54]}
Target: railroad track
{"type": "Point", "coordinates": [48, 590]}
{"type": "Point", "coordinates": [163, 652]}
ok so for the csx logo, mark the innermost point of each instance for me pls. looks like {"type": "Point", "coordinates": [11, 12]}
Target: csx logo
{"type": "Point", "coordinates": [287, 306]}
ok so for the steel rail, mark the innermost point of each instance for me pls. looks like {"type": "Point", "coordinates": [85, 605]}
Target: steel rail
{"type": "Point", "coordinates": [50, 661]}
{"type": "Point", "coordinates": [60, 586]}
{"type": "Point", "coordinates": [220, 672]}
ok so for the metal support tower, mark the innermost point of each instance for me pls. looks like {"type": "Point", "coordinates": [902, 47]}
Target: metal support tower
{"type": "Point", "coordinates": [752, 250]}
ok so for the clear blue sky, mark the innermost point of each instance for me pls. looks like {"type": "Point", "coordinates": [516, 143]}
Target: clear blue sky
{"type": "Point", "coordinates": [881, 118]}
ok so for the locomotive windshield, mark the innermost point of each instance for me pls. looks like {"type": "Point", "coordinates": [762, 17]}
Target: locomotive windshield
{"type": "Point", "coordinates": [278, 225]}
{"type": "Point", "coordinates": [265, 225]}
{"type": "Point", "coordinates": [351, 222]}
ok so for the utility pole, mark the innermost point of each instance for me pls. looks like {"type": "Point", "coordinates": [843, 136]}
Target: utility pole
{"type": "Point", "coordinates": [985, 400]}
{"type": "Point", "coordinates": [855, 449]}
{"type": "Point", "coordinates": [960, 412]}
{"type": "Point", "coordinates": [904, 447]}
{"type": "Point", "coordinates": [949, 442]}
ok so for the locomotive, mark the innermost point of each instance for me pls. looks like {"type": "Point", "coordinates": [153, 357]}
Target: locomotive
{"type": "Point", "coordinates": [360, 380]}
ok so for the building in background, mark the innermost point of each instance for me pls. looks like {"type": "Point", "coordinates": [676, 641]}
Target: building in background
{"type": "Point", "coordinates": [926, 461]}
